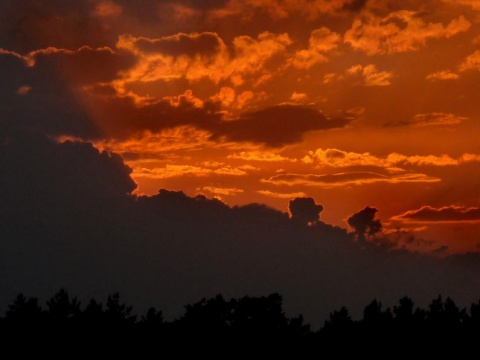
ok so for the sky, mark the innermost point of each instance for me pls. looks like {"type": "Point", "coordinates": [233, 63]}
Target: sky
{"type": "Point", "coordinates": [353, 103]}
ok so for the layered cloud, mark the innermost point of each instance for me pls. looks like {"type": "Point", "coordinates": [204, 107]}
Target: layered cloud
{"type": "Point", "coordinates": [443, 75]}
{"type": "Point", "coordinates": [368, 75]}
{"type": "Point", "coordinates": [287, 196]}
{"type": "Point", "coordinates": [274, 126]}
{"type": "Point", "coordinates": [430, 119]}
{"type": "Point", "coordinates": [201, 55]}
{"type": "Point", "coordinates": [399, 31]}
{"type": "Point", "coordinates": [474, 4]}
{"type": "Point", "coordinates": [429, 214]}
{"type": "Point", "coordinates": [342, 159]}
{"type": "Point", "coordinates": [278, 9]}
{"type": "Point", "coordinates": [260, 156]}
{"type": "Point", "coordinates": [219, 191]}
{"type": "Point", "coordinates": [472, 62]}
{"type": "Point", "coordinates": [176, 170]}
{"type": "Point", "coordinates": [322, 41]}
{"type": "Point", "coordinates": [278, 125]}
{"type": "Point", "coordinates": [347, 178]}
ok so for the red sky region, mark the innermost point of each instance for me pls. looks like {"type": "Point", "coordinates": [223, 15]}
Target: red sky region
{"type": "Point", "coordinates": [351, 102]}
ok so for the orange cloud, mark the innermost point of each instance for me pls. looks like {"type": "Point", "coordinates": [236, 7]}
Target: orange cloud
{"type": "Point", "coordinates": [155, 145]}
{"type": "Point", "coordinates": [186, 97]}
{"type": "Point", "coordinates": [348, 178]}
{"type": "Point", "coordinates": [322, 41]}
{"type": "Point", "coordinates": [339, 158]}
{"type": "Point", "coordinates": [176, 170]}
{"type": "Point", "coordinates": [229, 99]}
{"type": "Point", "coordinates": [201, 55]}
{"type": "Point", "coordinates": [191, 56]}
{"type": "Point", "coordinates": [430, 119]}
{"type": "Point", "coordinates": [281, 195]}
{"type": "Point", "coordinates": [442, 75]}
{"type": "Point", "coordinates": [16, 55]}
{"type": "Point", "coordinates": [474, 4]}
{"type": "Point", "coordinates": [446, 214]}
{"type": "Point", "coordinates": [472, 62]}
{"type": "Point", "coordinates": [470, 158]}
{"type": "Point", "coordinates": [369, 75]}
{"type": "Point", "coordinates": [222, 191]}
{"type": "Point", "coordinates": [107, 8]}
{"type": "Point", "coordinates": [298, 97]}
{"type": "Point", "coordinates": [400, 31]}
{"type": "Point", "coordinates": [428, 160]}
{"type": "Point", "coordinates": [24, 90]}
{"type": "Point", "coordinates": [252, 55]}
{"type": "Point", "coordinates": [259, 156]}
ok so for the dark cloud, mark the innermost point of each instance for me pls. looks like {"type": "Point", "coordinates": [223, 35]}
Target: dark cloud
{"type": "Point", "coordinates": [364, 222]}
{"type": "Point", "coordinates": [429, 119]}
{"type": "Point", "coordinates": [121, 117]}
{"type": "Point", "coordinates": [67, 218]}
{"type": "Point", "coordinates": [85, 65]}
{"type": "Point", "coordinates": [43, 172]}
{"type": "Point", "coordinates": [305, 210]}
{"type": "Point", "coordinates": [49, 106]}
{"type": "Point", "coordinates": [191, 45]}
{"type": "Point", "coordinates": [55, 103]}
{"type": "Point", "coordinates": [278, 125]}
{"type": "Point", "coordinates": [27, 25]}
{"type": "Point", "coordinates": [429, 214]}
{"type": "Point", "coordinates": [273, 126]}
{"type": "Point", "coordinates": [355, 5]}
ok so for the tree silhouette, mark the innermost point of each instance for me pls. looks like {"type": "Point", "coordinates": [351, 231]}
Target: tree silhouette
{"type": "Point", "coordinates": [116, 312]}
{"type": "Point", "coordinates": [339, 323]}
{"type": "Point", "coordinates": [243, 324]}
{"type": "Point", "coordinates": [404, 311]}
{"type": "Point", "coordinates": [24, 310]}
{"type": "Point", "coordinates": [61, 308]}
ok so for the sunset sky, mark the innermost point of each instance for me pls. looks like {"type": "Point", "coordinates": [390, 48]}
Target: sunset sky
{"type": "Point", "coordinates": [352, 102]}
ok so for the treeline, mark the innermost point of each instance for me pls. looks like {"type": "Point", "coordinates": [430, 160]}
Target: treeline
{"type": "Point", "coordinates": [241, 322]}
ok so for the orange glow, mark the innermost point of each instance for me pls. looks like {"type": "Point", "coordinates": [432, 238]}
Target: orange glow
{"type": "Point", "coordinates": [354, 103]}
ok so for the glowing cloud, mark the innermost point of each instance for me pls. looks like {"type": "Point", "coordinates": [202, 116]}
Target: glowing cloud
{"type": "Point", "coordinates": [321, 42]}
{"type": "Point", "coordinates": [172, 170]}
{"type": "Point", "coordinates": [201, 55]}
{"type": "Point", "coordinates": [400, 31]}
{"type": "Point", "coordinates": [222, 191]}
{"type": "Point", "coordinates": [259, 156]}
{"type": "Point", "coordinates": [429, 214]}
{"type": "Point", "coordinates": [229, 99]}
{"type": "Point", "coordinates": [107, 8]}
{"type": "Point", "coordinates": [442, 75]}
{"type": "Point", "coordinates": [472, 62]}
{"type": "Point", "coordinates": [298, 96]}
{"type": "Point", "coordinates": [369, 75]}
{"type": "Point", "coordinates": [344, 179]}
{"type": "Point", "coordinates": [340, 158]}
{"type": "Point", "coordinates": [281, 195]}
{"type": "Point", "coordinates": [474, 4]}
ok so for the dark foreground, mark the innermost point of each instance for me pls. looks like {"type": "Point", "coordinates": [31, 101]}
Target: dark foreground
{"type": "Point", "coordinates": [226, 328]}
